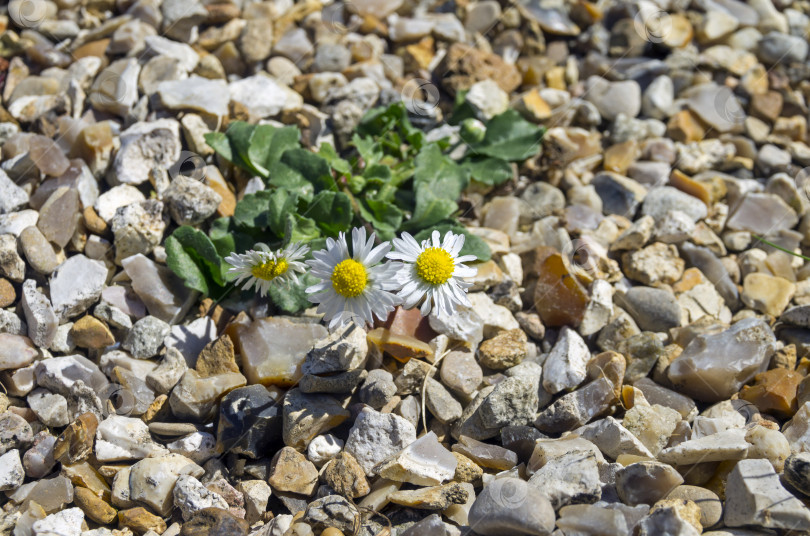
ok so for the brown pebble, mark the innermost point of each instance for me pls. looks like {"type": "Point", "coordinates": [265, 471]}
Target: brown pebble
{"type": "Point", "coordinates": [75, 443]}
{"type": "Point", "coordinates": [784, 358]}
{"type": "Point", "coordinates": [84, 475]}
{"type": "Point", "coordinates": [558, 296]}
{"type": "Point", "coordinates": [774, 391]}
{"type": "Point", "coordinates": [291, 471]}
{"type": "Point", "coordinates": [90, 332]}
{"type": "Point", "coordinates": [139, 520]}
{"type": "Point", "coordinates": [504, 350]}
{"type": "Point", "coordinates": [7, 294]}
{"type": "Point", "coordinates": [466, 469]}
{"type": "Point", "coordinates": [157, 410]}
{"type": "Point", "coordinates": [93, 222]}
{"type": "Point", "coordinates": [401, 347]}
{"type": "Point", "coordinates": [344, 475]}
{"type": "Point", "coordinates": [93, 507]}
{"type": "Point", "coordinates": [213, 522]}
{"type": "Point", "coordinates": [431, 497]}
{"type": "Point", "coordinates": [93, 48]}
{"type": "Point", "coordinates": [217, 358]}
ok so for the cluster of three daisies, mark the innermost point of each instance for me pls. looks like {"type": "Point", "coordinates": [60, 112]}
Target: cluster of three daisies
{"type": "Point", "coordinates": [361, 284]}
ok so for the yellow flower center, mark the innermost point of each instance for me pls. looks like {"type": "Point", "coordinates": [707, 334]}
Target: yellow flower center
{"type": "Point", "coordinates": [435, 266]}
{"type": "Point", "coordinates": [270, 269]}
{"type": "Point", "coordinates": [349, 278]}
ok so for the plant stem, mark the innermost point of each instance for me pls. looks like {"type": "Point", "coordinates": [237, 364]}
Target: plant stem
{"type": "Point", "coordinates": [224, 295]}
{"type": "Point", "coordinates": [780, 248]}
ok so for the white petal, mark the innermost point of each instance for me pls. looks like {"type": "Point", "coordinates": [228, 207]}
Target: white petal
{"type": "Point", "coordinates": [377, 254]}
{"type": "Point", "coordinates": [426, 306]}
{"type": "Point", "coordinates": [436, 236]}
{"type": "Point", "coordinates": [449, 239]}
{"type": "Point", "coordinates": [464, 271]}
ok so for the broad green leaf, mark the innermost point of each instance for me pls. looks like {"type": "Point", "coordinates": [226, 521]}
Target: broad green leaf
{"type": "Point", "coordinates": [488, 170]}
{"type": "Point", "coordinates": [439, 173]}
{"type": "Point", "coordinates": [268, 143]}
{"type": "Point", "coordinates": [228, 238]}
{"type": "Point", "coordinates": [192, 256]}
{"type": "Point", "coordinates": [356, 184]}
{"type": "Point", "coordinates": [239, 134]}
{"type": "Point", "coordinates": [473, 245]}
{"type": "Point", "coordinates": [292, 298]}
{"type": "Point", "coordinates": [312, 167]}
{"type": "Point", "coordinates": [218, 141]}
{"type": "Point", "coordinates": [222, 236]}
{"type": "Point", "coordinates": [431, 208]}
{"type": "Point", "coordinates": [416, 138]}
{"type": "Point", "coordinates": [287, 178]}
{"type": "Point", "coordinates": [383, 216]}
{"type": "Point", "coordinates": [368, 149]}
{"type": "Point", "coordinates": [281, 203]}
{"type": "Point", "coordinates": [335, 161]}
{"type": "Point", "coordinates": [185, 266]}
{"type": "Point", "coordinates": [332, 211]}
{"type": "Point", "coordinates": [300, 229]}
{"type": "Point", "coordinates": [461, 109]}
{"type": "Point", "coordinates": [510, 137]}
{"type": "Point", "coordinates": [377, 174]}
{"type": "Point", "coordinates": [377, 180]}
{"type": "Point", "coordinates": [382, 120]}
{"type": "Point", "coordinates": [199, 246]}
{"type": "Point", "coordinates": [252, 210]}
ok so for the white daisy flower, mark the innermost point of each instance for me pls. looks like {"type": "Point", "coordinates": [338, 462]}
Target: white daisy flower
{"type": "Point", "coordinates": [356, 286]}
{"type": "Point", "coordinates": [433, 271]}
{"type": "Point", "coordinates": [262, 267]}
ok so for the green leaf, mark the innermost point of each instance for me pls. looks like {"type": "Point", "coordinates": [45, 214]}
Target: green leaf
{"type": "Point", "coordinates": [184, 265]}
{"type": "Point", "coordinates": [377, 181]}
{"type": "Point", "coordinates": [227, 237]}
{"type": "Point", "coordinates": [461, 109]}
{"type": "Point", "coordinates": [192, 256]}
{"type": "Point", "coordinates": [384, 217]}
{"type": "Point", "coordinates": [439, 173]}
{"type": "Point", "coordinates": [268, 144]}
{"type": "Point", "coordinates": [218, 141]}
{"type": "Point", "coordinates": [510, 137]}
{"type": "Point", "coordinates": [488, 170]}
{"type": "Point", "coordinates": [252, 210]}
{"type": "Point", "coordinates": [201, 246]}
{"type": "Point", "coordinates": [473, 245]}
{"type": "Point", "coordinates": [287, 178]}
{"type": "Point", "coordinates": [292, 298]}
{"type": "Point", "coordinates": [382, 120]}
{"type": "Point", "coordinates": [377, 174]}
{"type": "Point", "coordinates": [332, 211]}
{"type": "Point", "coordinates": [239, 134]}
{"type": "Point", "coordinates": [253, 147]}
{"type": "Point", "coordinates": [282, 202]}
{"type": "Point", "coordinates": [327, 152]}
{"type": "Point", "coordinates": [430, 209]}
{"type": "Point", "coordinates": [438, 182]}
{"type": "Point", "coordinates": [222, 237]}
{"type": "Point", "coordinates": [300, 228]}
{"type": "Point", "coordinates": [368, 149]}
{"type": "Point", "coordinates": [311, 166]}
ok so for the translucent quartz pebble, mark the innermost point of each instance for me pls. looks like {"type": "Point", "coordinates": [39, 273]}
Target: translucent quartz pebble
{"type": "Point", "coordinates": [273, 349]}
{"type": "Point", "coordinates": [713, 367]}
{"type": "Point", "coordinates": [425, 462]}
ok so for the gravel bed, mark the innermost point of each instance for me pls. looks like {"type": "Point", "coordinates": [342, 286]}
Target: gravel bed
{"type": "Point", "coordinates": [636, 356]}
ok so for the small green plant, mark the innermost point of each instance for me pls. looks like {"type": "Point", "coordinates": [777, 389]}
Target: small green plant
{"type": "Point", "coordinates": [393, 180]}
